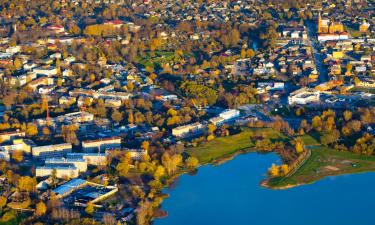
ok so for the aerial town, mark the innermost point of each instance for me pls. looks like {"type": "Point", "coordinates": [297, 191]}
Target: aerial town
{"type": "Point", "coordinates": [105, 103]}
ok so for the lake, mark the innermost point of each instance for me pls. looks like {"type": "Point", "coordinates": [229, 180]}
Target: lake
{"type": "Point", "coordinates": [230, 194]}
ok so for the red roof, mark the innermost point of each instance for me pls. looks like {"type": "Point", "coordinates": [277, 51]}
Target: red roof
{"type": "Point", "coordinates": [114, 22]}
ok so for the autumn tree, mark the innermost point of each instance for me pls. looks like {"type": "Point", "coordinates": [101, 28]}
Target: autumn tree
{"type": "Point", "coordinates": [274, 171]}
{"type": "Point", "coordinates": [40, 209]}
{"type": "Point", "coordinates": [145, 145]}
{"type": "Point", "coordinates": [17, 156]}
{"type": "Point", "coordinates": [191, 162]}
{"type": "Point", "coordinates": [3, 202]}
{"type": "Point", "coordinates": [117, 116]}
{"type": "Point", "coordinates": [347, 115]}
{"type": "Point", "coordinates": [298, 145]}
{"type": "Point", "coordinates": [90, 208]}
{"type": "Point", "coordinates": [31, 129]}
{"type": "Point", "coordinates": [26, 183]}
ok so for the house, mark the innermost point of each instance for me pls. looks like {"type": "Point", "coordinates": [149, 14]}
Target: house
{"type": "Point", "coordinates": [46, 71]}
{"type": "Point", "coordinates": [187, 130]}
{"type": "Point", "coordinates": [57, 29]}
{"type": "Point", "coordinates": [66, 100]}
{"type": "Point", "coordinates": [100, 145]}
{"type": "Point", "coordinates": [40, 81]}
{"type": "Point", "coordinates": [110, 102]}
{"type": "Point", "coordinates": [365, 82]}
{"type": "Point", "coordinates": [114, 23]}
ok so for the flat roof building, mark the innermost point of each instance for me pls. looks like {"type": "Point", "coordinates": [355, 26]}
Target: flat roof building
{"type": "Point", "coordinates": [100, 145]}
{"type": "Point", "coordinates": [80, 163]}
{"type": "Point", "coordinates": [97, 159]}
{"type": "Point", "coordinates": [62, 170]}
{"type": "Point", "coordinates": [50, 151]}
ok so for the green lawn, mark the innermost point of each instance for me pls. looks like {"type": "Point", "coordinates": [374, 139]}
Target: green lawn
{"type": "Point", "coordinates": [364, 89]}
{"type": "Point", "coordinates": [326, 162]}
{"type": "Point", "coordinates": [310, 140]}
{"type": "Point", "coordinates": [223, 147]}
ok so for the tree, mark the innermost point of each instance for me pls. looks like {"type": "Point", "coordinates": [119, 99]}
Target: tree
{"type": "Point", "coordinates": [159, 172]}
{"type": "Point", "coordinates": [124, 165]}
{"type": "Point", "coordinates": [330, 137]}
{"type": "Point", "coordinates": [17, 156]}
{"type": "Point", "coordinates": [317, 123]}
{"type": "Point", "coordinates": [347, 115]}
{"type": "Point", "coordinates": [117, 116]}
{"type": "Point", "coordinates": [69, 134]}
{"type": "Point", "coordinates": [298, 145]}
{"type": "Point", "coordinates": [31, 130]}
{"type": "Point", "coordinates": [90, 208]}
{"type": "Point", "coordinates": [26, 183]}
{"type": "Point", "coordinates": [284, 169]}
{"type": "Point", "coordinates": [145, 145]}
{"type": "Point", "coordinates": [8, 100]}
{"type": "Point", "coordinates": [211, 128]}
{"type": "Point", "coordinates": [3, 202]}
{"type": "Point", "coordinates": [108, 219]}
{"type": "Point", "coordinates": [40, 209]}
{"type": "Point", "coordinates": [274, 170]}
{"type": "Point", "coordinates": [192, 162]}
{"type": "Point", "coordinates": [144, 212]}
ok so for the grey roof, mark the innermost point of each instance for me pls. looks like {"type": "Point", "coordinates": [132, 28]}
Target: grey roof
{"type": "Point", "coordinates": [69, 186]}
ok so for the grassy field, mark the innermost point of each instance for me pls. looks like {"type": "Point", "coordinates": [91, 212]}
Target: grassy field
{"type": "Point", "coordinates": [156, 59]}
{"type": "Point", "coordinates": [310, 140]}
{"type": "Point", "coordinates": [326, 162]}
{"type": "Point", "coordinates": [224, 147]}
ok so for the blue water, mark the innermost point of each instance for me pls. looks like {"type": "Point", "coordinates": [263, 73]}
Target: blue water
{"type": "Point", "coordinates": [230, 194]}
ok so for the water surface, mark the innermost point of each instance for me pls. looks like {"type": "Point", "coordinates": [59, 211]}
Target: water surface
{"type": "Point", "coordinates": [230, 194]}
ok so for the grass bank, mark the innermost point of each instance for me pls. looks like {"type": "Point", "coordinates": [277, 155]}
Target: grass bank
{"type": "Point", "coordinates": [325, 162]}
{"type": "Point", "coordinates": [225, 147]}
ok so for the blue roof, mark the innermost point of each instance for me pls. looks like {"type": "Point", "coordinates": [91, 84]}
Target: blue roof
{"type": "Point", "coordinates": [69, 186]}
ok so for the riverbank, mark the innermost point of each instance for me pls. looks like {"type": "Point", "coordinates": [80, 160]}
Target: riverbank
{"type": "Point", "coordinates": [322, 163]}
{"type": "Point", "coordinates": [223, 148]}
{"type": "Point", "coordinates": [199, 199]}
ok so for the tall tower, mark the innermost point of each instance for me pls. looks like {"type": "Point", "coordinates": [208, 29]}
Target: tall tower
{"type": "Point", "coordinates": [319, 23]}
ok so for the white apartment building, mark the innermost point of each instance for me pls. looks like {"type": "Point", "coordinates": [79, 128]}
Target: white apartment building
{"type": "Point", "coordinates": [51, 151]}
{"type": "Point", "coordinates": [80, 163]}
{"type": "Point", "coordinates": [304, 96]}
{"type": "Point", "coordinates": [96, 159]}
{"type": "Point", "coordinates": [186, 130]}
{"type": "Point", "coordinates": [100, 145]}
{"type": "Point", "coordinates": [62, 171]}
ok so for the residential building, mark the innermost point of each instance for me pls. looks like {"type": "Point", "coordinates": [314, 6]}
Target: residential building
{"type": "Point", "coordinates": [10, 136]}
{"type": "Point", "coordinates": [100, 145]}
{"type": "Point", "coordinates": [187, 130]}
{"type": "Point", "coordinates": [80, 163]}
{"type": "Point", "coordinates": [136, 154]}
{"type": "Point", "coordinates": [304, 96]}
{"type": "Point", "coordinates": [49, 151]}
{"type": "Point", "coordinates": [96, 159]}
{"type": "Point", "coordinates": [61, 171]}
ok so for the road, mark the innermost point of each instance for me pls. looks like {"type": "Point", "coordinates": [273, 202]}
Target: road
{"type": "Point", "coordinates": [317, 55]}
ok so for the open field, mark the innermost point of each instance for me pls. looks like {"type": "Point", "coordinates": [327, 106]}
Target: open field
{"type": "Point", "coordinates": [224, 147]}
{"type": "Point", "coordinates": [326, 162]}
